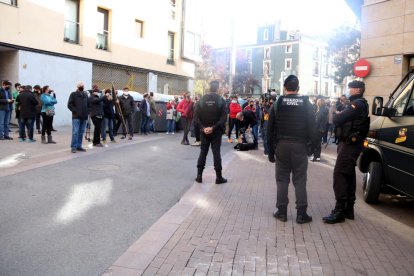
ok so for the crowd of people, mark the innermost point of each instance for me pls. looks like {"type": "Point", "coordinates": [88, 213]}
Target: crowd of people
{"type": "Point", "coordinates": [32, 105]}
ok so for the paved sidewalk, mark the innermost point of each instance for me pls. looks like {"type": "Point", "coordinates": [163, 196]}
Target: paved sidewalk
{"type": "Point", "coordinates": [229, 230]}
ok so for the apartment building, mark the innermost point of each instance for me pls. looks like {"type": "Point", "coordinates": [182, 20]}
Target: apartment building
{"type": "Point", "coordinates": [279, 53]}
{"type": "Point", "coordinates": [145, 45]}
{"type": "Point", "coordinates": [387, 42]}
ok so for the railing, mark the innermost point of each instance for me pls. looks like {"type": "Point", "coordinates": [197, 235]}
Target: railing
{"type": "Point", "coordinates": [102, 40]}
{"type": "Point", "coordinates": [71, 31]}
{"type": "Point", "coordinates": [170, 58]}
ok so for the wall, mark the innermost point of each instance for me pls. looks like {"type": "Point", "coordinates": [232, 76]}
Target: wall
{"type": "Point", "coordinates": [61, 74]}
{"type": "Point", "coordinates": [8, 66]}
{"type": "Point", "coordinates": [387, 33]}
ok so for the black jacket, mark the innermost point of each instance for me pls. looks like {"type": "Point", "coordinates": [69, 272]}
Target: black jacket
{"type": "Point", "coordinates": [27, 102]}
{"type": "Point", "coordinates": [3, 101]}
{"type": "Point", "coordinates": [249, 119]}
{"type": "Point", "coordinates": [108, 108]}
{"type": "Point", "coordinates": [96, 105]}
{"type": "Point", "coordinates": [78, 104]}
{"type": "Point", "coordinates": [127, 104]}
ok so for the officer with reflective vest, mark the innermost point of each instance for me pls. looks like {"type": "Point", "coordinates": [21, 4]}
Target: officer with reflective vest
{"type": "Point", "coordinates": [352, 125]}
{"type": "Point", "coordinates": [291, 128]}
{"type": "Point", "coordinates": [210, 116]}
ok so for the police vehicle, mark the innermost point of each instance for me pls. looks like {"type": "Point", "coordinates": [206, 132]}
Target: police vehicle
{"type": "Point", "coordinates": [388, 158]}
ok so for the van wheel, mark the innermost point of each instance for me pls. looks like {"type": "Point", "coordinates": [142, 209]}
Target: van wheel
{"type": "Point", "coordinates": [372, 182]}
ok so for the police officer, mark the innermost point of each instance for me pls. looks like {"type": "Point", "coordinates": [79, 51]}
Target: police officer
{"type": "Point", "coordinates": [352, 125]}
{"type": "Point", "coordinates": [210, 117]}
{"type": "Point", "coordinates": [291, 127]}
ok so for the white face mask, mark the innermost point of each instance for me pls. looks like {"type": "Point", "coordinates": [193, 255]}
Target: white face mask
{"type": "Point", "coordinates": [126, 93]}
{"type": "Point", "coordinates": [234, 101]}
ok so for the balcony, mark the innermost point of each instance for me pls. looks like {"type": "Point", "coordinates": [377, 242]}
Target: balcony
{"type": "Point", "coordinates": [71, 32]}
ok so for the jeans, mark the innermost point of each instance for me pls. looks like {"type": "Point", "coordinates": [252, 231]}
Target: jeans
{"type": "Point", "coordinates": [171, 126]}
{"type": "Point", "coordinates": [78, 129]}
{"type": "Point", "coordinates": [151, 125]}
{"type": "Point", "coordinates": [29, 123]}
{"type": "Point", "coordinates": [144, 123]}
{"type": "Point", "coordinates": [4, 123]}
{"type": "Point", "coordinates": [110, 123]}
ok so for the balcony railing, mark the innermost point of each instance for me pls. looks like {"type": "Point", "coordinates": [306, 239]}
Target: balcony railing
{"type": "Point", "coordinates": [102, 40]}
{"type": "Point", "coordinates": [71, 32]}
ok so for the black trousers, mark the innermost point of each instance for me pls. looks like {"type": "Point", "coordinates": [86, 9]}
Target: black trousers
{"type": "Point", "coordinates": [233, 122]}
{"type": "Point", "coordinates": [186, 123]}
{"type": "Point", "coordinates": [344, 177]}
{"type": "Point", "coordinates": [197, 132]}
{"type": "Point", "coordinates": [316, 144]}
{"type": "Point", "coordinates": [128, 122]}
{"type": "Point", "coordinates": [214, 139]}
{"type": "Point", "coordinates": [291, 158]}
{"type": "Point", "coordinates": [97, 123]}
{"type": "Point", "coordinates": [38, 122]}
{"type": "Point", "coordinates": [46, 124]}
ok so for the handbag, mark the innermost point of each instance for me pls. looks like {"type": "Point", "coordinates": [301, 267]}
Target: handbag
{"type": "Point", "coordinates": [50, 112]}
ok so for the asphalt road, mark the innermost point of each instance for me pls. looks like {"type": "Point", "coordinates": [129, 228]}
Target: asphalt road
{"type": "Point", "coordinates": [77, 217]}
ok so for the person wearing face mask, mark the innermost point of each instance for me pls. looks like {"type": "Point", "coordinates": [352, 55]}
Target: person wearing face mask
{"type": "Point", "coordinates": [96, 109]}
{"type": "Point", "coordinates": [78, 104]}
{"type": "Point", "coordinates": [6, 102]}
{"type": "Point", "coordinates": [234, 108]}
{"type": "Point", "coordinates": [126, 102]}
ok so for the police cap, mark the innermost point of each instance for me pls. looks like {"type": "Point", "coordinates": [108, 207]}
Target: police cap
{"type": "Point", "coordinates": [356, 84]}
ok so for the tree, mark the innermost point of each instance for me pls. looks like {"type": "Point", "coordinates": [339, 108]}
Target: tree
{"type": "Point", "coordinates": [344, 48]}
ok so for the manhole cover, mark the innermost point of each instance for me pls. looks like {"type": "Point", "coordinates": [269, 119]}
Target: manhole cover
{"type": "Point", "coordinates": [103, 167]}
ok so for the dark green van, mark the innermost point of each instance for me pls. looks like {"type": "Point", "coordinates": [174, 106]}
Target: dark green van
{"type": "Point", "coordinates": [388, 158]}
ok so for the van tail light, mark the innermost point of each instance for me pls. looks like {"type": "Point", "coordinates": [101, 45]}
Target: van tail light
{"type": "Point", "coordinates": [372, 134]}
{"type": "Point", "coordinates": [365, 143]}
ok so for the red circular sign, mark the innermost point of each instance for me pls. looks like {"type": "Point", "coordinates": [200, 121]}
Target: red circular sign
{"type": "Point", "coordinates": [362, 68]}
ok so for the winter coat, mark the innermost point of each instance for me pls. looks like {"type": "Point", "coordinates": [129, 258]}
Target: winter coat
{"type": "Point", "coordinates": [96, 105]}
{"type": "Point", "coordinates": [186, 108]}
{"type": "Point", "coordinates": [78, 104]}
{"type": "Point", "coordinates": [321, 119]}
{"type": "Point", "coordinates": [108, 109]}
{"type": "Point", "coordinates": [3, 101]}
{"type": "Point", "coordinates": [153, 110]}
{"type": "Point", "coordinates": [171, 112]}
{"type": "Point", "coordinates": [48, 102]}
{"type": "Point", "coordinates": [127, 105]}
{"type": "Point", "coordinates": [39, 102]}
{"type": "Point", "coordinates": [234, 109]}
{"type": "Point", "coordinates": [27, 103]}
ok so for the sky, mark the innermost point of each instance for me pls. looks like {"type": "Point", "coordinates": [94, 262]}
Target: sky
{"type": "Point", "coordinates": [313, 17]}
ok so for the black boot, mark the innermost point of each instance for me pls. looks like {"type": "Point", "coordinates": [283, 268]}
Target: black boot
{"type": "Point", "coordinates": [337, 214]}
{"type": "Point", "coordinates": [302, 216]}
{"type": "Point", "coordinates": [219, 178]}
{"type": "Point", "coordinates": [349, 214]}
{"type": "Point", "coordinates": [199, 177]}
{"type": "Point", "coordinates": [281, 214]}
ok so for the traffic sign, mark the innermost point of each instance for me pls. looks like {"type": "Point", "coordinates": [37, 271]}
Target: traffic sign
{"type": "Point", "coordinates": [362, 68]}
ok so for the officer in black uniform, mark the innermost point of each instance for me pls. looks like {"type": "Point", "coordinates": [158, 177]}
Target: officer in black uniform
{"type": "Point", "coordinates": [210, 116]}
{"type": "Point", "coordinates": [352, 125]}
{"type": "Point", "coordinates": [291, 127]}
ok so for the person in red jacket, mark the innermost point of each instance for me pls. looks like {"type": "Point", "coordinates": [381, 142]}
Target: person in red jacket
{"type": "Point", "coordinates": [185, 107]}
{"type": "Point", "coordinates": [234, 108]}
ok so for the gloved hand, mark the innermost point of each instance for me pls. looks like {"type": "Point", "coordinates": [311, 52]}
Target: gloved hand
{"type": "Point", "coordinates": [271, 157]}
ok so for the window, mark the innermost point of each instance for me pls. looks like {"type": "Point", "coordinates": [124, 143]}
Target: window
{"type": "Point", "coordinates": [102, 39]}
{"type": "Point", "coordinates": [170, 58]}
{"type": "Point", "coordinates": [266, 35]}
{"type": "Point", "coordinates": [71, 31]}
{"type": "Point", "coordinates": [139, 28]}
{"type": "Point", "coordinates": [172, 6]}
{"type": "Point", "coordinates": [402, 100]}
{"type": "Point", "coordinates": [326, 88]}
{"type": "Point", "coordinates": [316, 68]}
{"type": "Point", "coordinates": [291, 37]}
{"type": "Point", "coordinates": [288, 48]}
{"type": "Point", "coordinates": [288, 64]}
{"type": "Point", "coordinates": [315, 88]}
{"type": "Point", "coordinates": [326, 69]}
{"type": "Point", "coordinates": [266, 53]}
{"type": "Point", "coordinates": [10, 2]}
{"type": "Point", "coordinates": [192, 43]}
